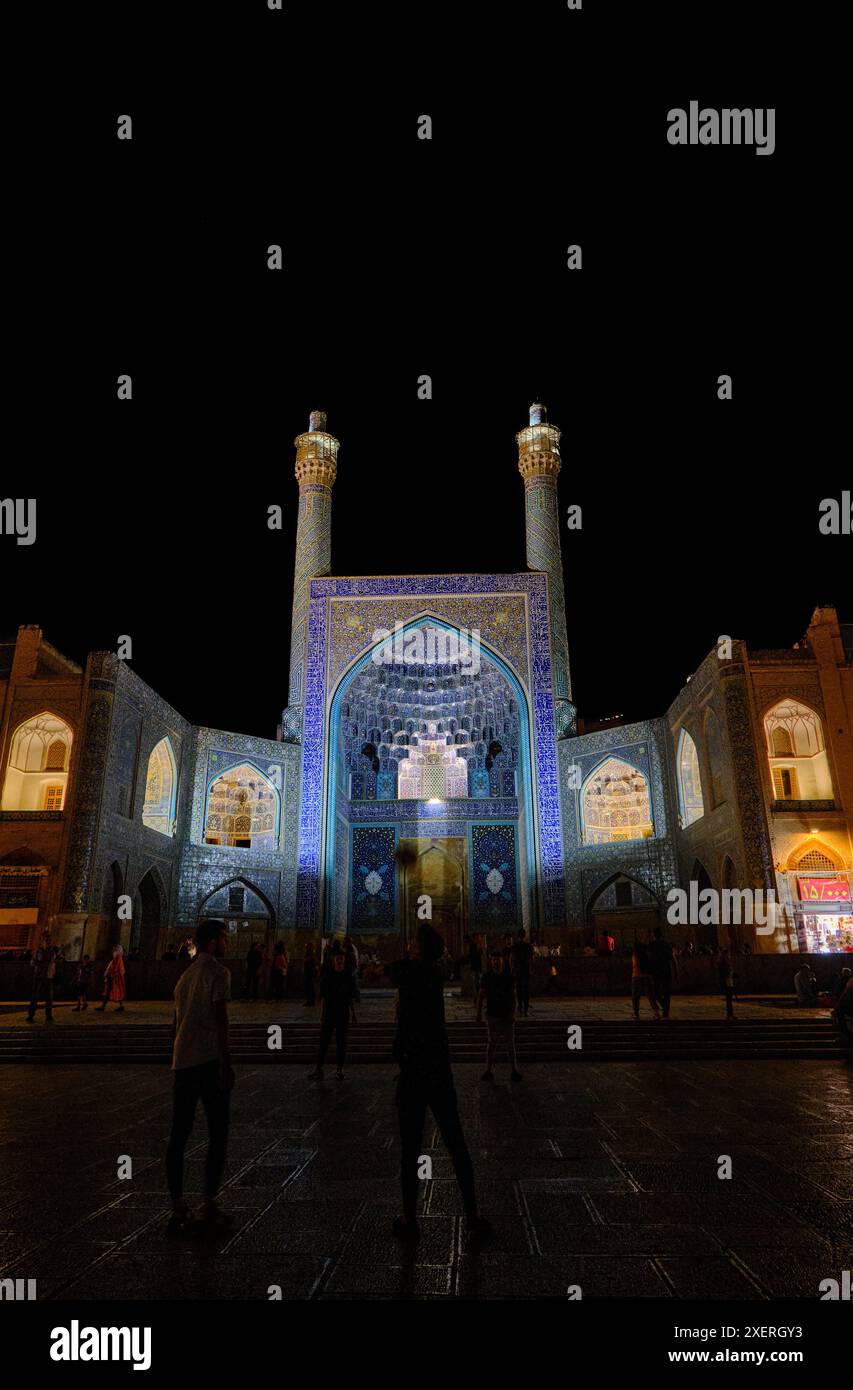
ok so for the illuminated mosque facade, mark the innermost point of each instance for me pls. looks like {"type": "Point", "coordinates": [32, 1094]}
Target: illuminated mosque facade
{"type": "Point", "coordinates": [429, 747]}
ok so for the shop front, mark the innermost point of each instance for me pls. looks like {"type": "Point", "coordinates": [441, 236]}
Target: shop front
{"type": "Point", "coordinates": [824, 913]}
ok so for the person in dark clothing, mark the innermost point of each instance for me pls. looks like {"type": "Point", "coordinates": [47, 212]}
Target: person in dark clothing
{"type": "Point", "coordinates": [553, 986]}
{"type": "Point", "coordinates": [278, 973]}
{"type": "Point", "coordinates": [310, 971]}
{"type": "Point", "coordinates": [328, 957]}
{"type": "Point", "coordinates": [203, 1072]}
{"type": "Point", "coordinates": [82, 984]}
{"type": "Point", "coordinates": [497, 992]}
{"type": "Point", "coordinates": [44, 974]}
{"type": "Point", "coordinates": [254, 961]}
{"type": "Point", "coordinates": [843, 1013]}
{"type": "Point", "coordinates": [425, 1082]}
{"type": "Point", "coordinates": [839, 984]}
{"type": "Point", "coordinates": [642, 982]}
{"type": "Point", "coordinates": [805, 984]}
{"type": "Point", "coordinates": [506, 950]}
{"type": "Point", "coordinates": [337, 991]}
{"type": "Point", "coordinates": [522, 954]}
{"type": "Point", "coordinates": [727, 982]}
{"type": "Point", "coordinates": [663, 968]}
{"type": "Point", "coordinates": [475, 965]}
{"type": "Point", "coordinates": [352, 964]}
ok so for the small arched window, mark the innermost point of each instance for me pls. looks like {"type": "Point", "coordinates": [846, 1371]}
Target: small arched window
{"type": "Point", "coordinates": [690, 800]}
{"type": "Point", "coordinates": [243, 809]}
{"type": "Point", "coordinates": [55, 760]}
{"type": "Point", "coordinates": [38, 765]}
{"type": "Point", "coordinates": [161, 784]}
{"type": "Point", "coordinates": [615, 804]}
{"type": "Point", "coordinates": [796, 746]}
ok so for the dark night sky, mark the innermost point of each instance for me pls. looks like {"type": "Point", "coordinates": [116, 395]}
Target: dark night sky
{"type": "Point", "coordinates": [404, 257]}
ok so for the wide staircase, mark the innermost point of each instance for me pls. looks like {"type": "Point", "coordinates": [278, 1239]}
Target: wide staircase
{"type": "Point", "coordinates": [371, 1042]}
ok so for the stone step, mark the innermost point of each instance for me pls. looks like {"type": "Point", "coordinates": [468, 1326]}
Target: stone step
{"type": "Point", "coordinates": [371, 1042]}
{"type": "Point", "coordinates": [54, 1033]}
{"type": "Point", "coordinates": [355, 1039]}
{"type": "Point", "coordinates": [614, 1050]}
{"type": "Point", "coordinates": [629, 1054]}
{"type": "Point", "coordinates": [523, 1026]}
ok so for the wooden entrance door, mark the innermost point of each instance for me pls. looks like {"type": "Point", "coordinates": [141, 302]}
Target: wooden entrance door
{"type": "Point", "coordinates": [439, 871]}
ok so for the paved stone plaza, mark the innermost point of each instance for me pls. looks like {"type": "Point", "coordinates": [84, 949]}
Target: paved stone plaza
{"type": "Point", "coordinates": [603, 1176]}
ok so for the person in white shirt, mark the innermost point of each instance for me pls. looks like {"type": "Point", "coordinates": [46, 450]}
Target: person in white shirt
{"type": "Point", "coordinates": [202, 1068]}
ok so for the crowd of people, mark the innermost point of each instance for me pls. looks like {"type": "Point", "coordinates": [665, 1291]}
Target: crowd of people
{"type": "Point", "coordinates": [654, 970]}
{"type": "Point", "coordinates": [499, 973]}
{"type": "Point", "coordinates": [203, 1071]}
{"type": "Point", "coordinates": [202, 1068]}
{"type": "Point", "coordinates": [837, 996]}
{"type": "Point", "coordinates": [51, 972]}
{"type": "Point", "coordinates": [500, 978]}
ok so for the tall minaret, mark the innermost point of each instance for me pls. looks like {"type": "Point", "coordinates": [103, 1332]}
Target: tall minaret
{"type": "Point", "coordinates": [316, 470]}
{"type": "Point", "coordinates": [539, 463]}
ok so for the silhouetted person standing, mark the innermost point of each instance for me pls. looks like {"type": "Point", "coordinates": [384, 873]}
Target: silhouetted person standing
{"type": "Point", "coordinates": [553, 974]}
{"type": "Point", "coordinates": [497, 992]}
{"type": "Point", "coordinates": [202, 1068]}
{"type": "Point", "coordinates": [278, 976]}
{"type": "Point", "coordinates": [506, 950]}
{"type": "Point", "coordinates": [843, 1013]}
{"type": "Point", "coordinates": [338, 993]}
{"type": "Point", "coordinates": [82, 981]}
{"type": "Point", "coordinates": [44, 973]}
{"type": "Point", "coordinates": [352, 964]}
{"type": "Point", "coordinates": [426, 1081]}
{"type": "Point", "coordinates": [475, 964]}
{"type": "Point", "coordinates": [115, 987]}
{"type": "Point", "coordinates": [310, 971]}
{"type": "Point", "coordinates": [522, 954]}
{"type": "Point", "coordinates": [642, 982]}
{"type": "Point", "coordinates": [254, 962]}
{"type": "Point", "coordinates": [663, 967]}
{"type": "Point", "coordinates": [726, 977]}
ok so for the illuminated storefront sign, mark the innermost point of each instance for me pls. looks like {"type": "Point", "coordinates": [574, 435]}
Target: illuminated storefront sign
{"type": "Point", "coordinates": [824, 890]}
